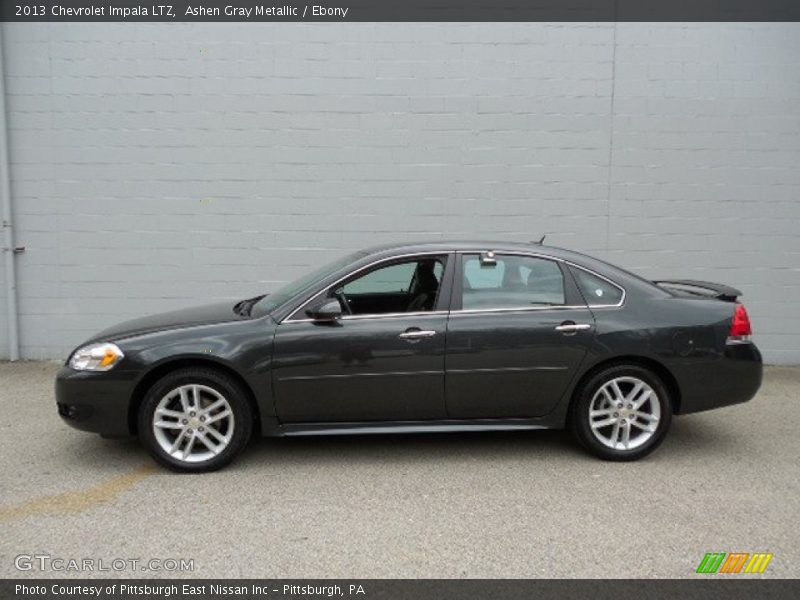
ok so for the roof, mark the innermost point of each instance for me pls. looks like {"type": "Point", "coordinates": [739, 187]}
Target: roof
{"type": "Point", "coordinates": [617, 274]}
{"type": "Point", "coordinates": [465, 245]}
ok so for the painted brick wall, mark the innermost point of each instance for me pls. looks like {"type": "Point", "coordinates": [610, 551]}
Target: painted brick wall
{"type": "Point", "coordinates": [160, 165]}
{"type": "Point", "coordinates": [3, 309]}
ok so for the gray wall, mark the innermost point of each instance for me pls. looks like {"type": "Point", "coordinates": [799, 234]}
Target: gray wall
{"type": "Point", "coordinates": [3, 308]}
{"type": "Point", "coordinates": [160, 165]}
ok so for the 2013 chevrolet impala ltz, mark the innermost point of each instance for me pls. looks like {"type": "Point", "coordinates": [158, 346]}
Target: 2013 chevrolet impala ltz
{"type": "Point", "coordinates": [457, 336]}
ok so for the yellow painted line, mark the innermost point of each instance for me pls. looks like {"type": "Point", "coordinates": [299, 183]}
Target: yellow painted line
{"type": "Point", "coordinates": [79, 501]}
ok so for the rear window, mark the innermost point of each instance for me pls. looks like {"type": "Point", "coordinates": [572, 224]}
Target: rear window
{"type": "Point", "coordinates": [596, 290]}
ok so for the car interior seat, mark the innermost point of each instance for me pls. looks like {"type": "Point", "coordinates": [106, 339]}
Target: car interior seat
{"type": "Point", "coordinates": [426, 286]}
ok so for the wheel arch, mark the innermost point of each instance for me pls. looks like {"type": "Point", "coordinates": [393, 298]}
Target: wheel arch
{"type": "Point", "coordinates": [663, 373]}
{"type": "Point", "coordinates": [163, 368]}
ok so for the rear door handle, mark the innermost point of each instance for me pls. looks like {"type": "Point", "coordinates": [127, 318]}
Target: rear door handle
{"type": "Point", "coordinates": [570, 327]}
{"type": "Point", "coordinates": [416, 334]}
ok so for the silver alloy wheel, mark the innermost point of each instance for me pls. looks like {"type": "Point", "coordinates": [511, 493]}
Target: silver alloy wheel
{"type": "Point", "coordinates": [624, 413]}
{"type": "Point", "coordinates": [193, 423]}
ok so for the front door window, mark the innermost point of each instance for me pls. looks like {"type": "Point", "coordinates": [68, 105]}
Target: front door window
{"type": "Point", "coordinates": [403, 287]}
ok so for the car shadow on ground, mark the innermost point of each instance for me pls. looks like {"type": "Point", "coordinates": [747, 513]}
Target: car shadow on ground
{"type": "Point", "coordinates": [686, 435]}
{"type": "Point", "coordinates": [710, 435]}
{"type": "Point", "coordinates": [430, 447]}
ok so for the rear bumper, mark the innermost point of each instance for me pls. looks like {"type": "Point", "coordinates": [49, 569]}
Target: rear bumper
{"type": "Point", "coordinates": [732, 379]}
{"type": "Point", "coordinates": [95, 402]}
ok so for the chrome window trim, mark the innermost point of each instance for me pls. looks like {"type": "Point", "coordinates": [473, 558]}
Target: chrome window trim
{"type": "Point", "coordinates": [304, 303]}
{"type": "Point", "coordinates": [377, 316]}
{"type": "Point", "coordinates": [619, 304]}
{"type": "Point", "coordinates": [514, 253]}
{"type": "Point", "coordinates": [470, 311]}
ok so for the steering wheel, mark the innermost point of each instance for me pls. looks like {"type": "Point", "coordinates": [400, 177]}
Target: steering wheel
{"type": "Point", "coordinates": [339, 295]}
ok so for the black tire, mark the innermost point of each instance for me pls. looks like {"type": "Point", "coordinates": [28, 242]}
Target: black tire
{"type": "Point", "coordinates": [579, 418]}
{"type": "Point", "coordinates": [242, 422]}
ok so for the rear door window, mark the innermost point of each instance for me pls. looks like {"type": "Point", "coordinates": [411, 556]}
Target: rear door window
{"type": "Point", "coordinates": [511, 282]}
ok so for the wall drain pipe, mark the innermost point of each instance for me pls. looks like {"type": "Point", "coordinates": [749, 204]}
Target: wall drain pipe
{"type": "Point", "coordinates": [6, 214]}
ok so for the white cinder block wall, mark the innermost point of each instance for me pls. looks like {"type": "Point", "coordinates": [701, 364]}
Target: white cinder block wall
{"type": "Point", "coordinates": [3, 310]}
{"type": "Point", "coordinates": [156, 166]}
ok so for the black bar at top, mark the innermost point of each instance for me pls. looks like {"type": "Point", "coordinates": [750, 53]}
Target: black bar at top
{"type": "Point", "coordinates": [401, 10]}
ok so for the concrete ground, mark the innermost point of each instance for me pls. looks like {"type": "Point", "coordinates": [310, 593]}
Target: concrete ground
{"type": "Point", "coordinates": [478, 505]}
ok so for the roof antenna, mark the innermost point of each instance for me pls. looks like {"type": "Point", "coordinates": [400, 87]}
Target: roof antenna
{"type": "Point", "coordinates": [541, 240]}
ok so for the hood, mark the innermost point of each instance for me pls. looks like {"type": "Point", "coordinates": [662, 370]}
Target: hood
{"type": "Point", "coordinates": [208, 314]}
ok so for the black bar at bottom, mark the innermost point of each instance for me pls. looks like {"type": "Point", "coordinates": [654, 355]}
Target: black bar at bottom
{"type": "Point", "coordinates": [710, 587]}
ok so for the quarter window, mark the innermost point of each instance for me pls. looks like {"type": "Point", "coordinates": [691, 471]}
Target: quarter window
{"type": "Point", "coordinates": [596, 291]}
{"type": "Point", "coordinates": [511, 282]}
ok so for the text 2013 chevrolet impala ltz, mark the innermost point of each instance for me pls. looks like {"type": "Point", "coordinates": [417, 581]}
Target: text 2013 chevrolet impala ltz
{"type": "Point", "coordinates": [421, 337]}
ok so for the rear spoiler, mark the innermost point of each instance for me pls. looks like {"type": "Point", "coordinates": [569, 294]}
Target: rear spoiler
{"type": "Point", "coordinates": [717, 290]}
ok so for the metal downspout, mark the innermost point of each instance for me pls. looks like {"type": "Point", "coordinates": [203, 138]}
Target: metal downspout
{"type": "Point", "coordinates": [6, 213]}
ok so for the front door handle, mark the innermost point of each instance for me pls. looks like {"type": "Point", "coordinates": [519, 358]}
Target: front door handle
{"type": "Point", "coordinates": [572, 327]}
{"type": "Point", "coordinates": [412, 335]}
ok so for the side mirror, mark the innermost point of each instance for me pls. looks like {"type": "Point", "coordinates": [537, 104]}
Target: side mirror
{"type": "Point", "coordinates": [329, 310]}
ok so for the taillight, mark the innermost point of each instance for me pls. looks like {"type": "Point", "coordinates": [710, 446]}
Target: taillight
{"type": "Point", "coordinates": [740, 326]}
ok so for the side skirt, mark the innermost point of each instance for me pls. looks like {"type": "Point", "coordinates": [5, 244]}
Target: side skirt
{"type": "Point", "coordinates": [372, 427]}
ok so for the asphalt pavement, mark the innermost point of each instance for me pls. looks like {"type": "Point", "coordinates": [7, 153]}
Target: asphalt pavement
{"type": "Point", "coordinates": [522, 504]}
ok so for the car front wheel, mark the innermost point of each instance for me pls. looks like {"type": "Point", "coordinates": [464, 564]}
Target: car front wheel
{"type": "Point", "coordinates": [195, 420]}
{"type": "Point", "coordinates": [622, 413]}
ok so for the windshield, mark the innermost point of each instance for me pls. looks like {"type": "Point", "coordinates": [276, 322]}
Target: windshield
{"type": "Point", "coordinates": [272, 301]}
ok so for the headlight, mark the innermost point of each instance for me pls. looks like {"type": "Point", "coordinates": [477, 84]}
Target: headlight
{"type": "Point", "coordinates": [96, 357]}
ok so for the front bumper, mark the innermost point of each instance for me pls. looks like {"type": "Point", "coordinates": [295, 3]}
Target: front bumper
{"type": "Point", "coordinates": [95, 402]}
{"type": "Point", "coordinates": [732, 379]}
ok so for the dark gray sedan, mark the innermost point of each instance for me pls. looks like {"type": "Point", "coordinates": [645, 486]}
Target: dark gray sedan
{"type": "Point", "coordinates": [455, 336]}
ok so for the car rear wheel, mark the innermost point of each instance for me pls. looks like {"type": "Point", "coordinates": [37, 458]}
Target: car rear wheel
{"type": "Point", "coordinates": [195, 420]}
{"type": "Point", "coordinates": [622, 413]}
